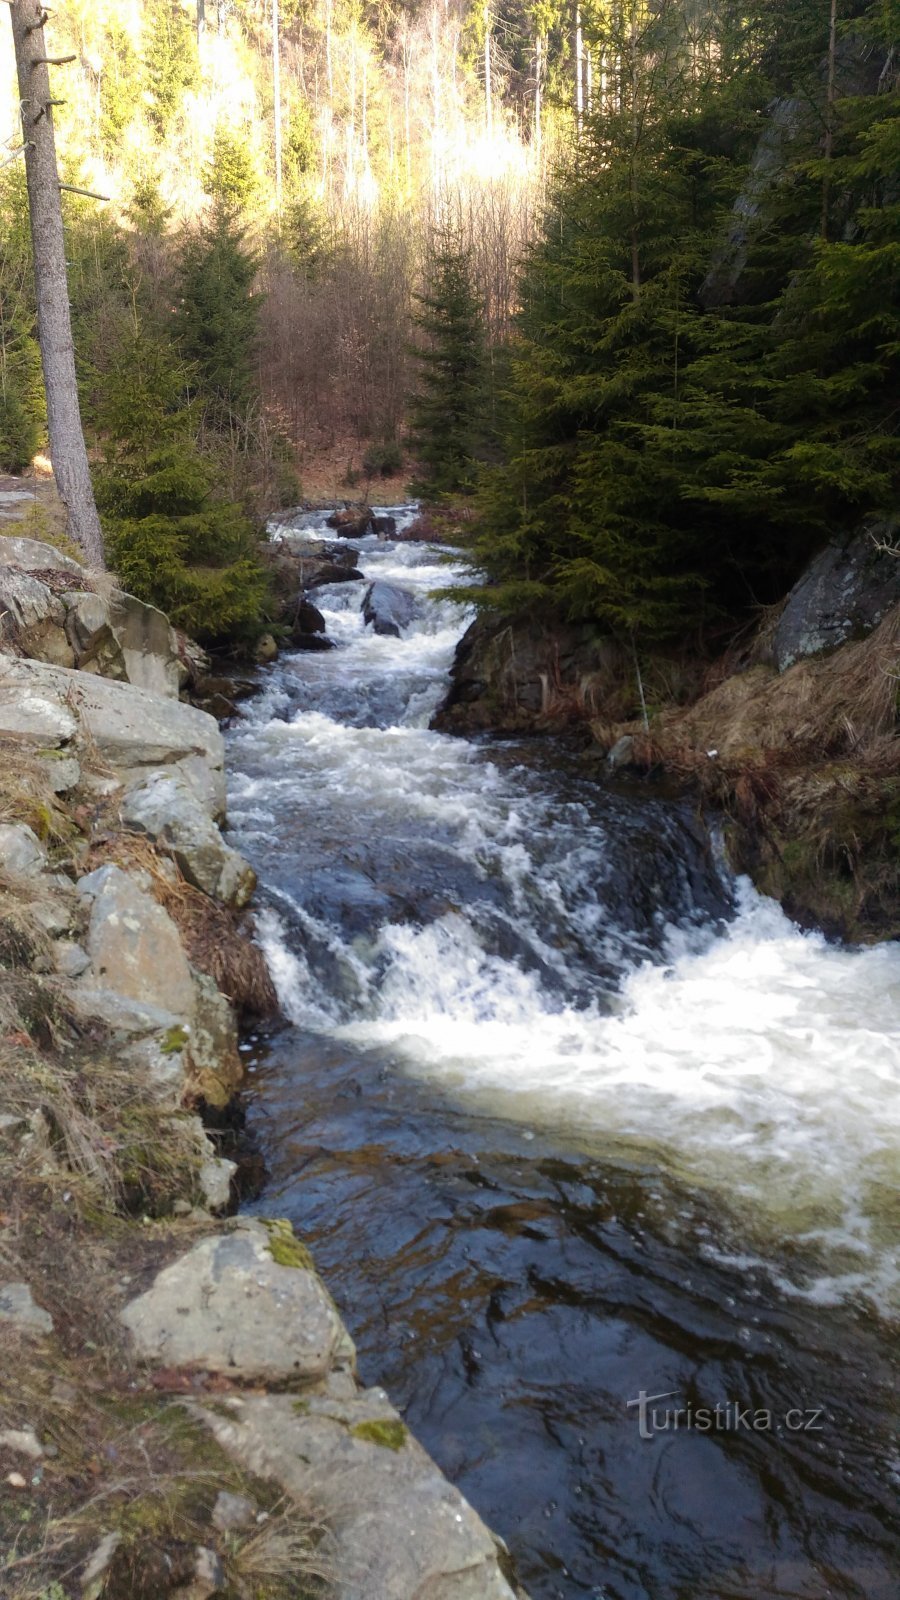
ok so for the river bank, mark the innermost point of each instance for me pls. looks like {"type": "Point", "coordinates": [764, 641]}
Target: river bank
{"type": "Point", "coordinates": [790, 736]}
{"type": "Point", "coordinates": [164, 1366]}
{"type": "Point", "coordinates": [566, 1112]}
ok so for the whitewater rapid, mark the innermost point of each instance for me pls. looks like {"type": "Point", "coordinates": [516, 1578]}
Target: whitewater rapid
{"type": "Point", "coordinates": [564, 958]}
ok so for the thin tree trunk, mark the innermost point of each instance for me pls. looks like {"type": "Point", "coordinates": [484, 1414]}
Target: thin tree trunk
{"type": "Point", "coordinates": [829, 116]}
{"type": "Point", "coordinates": [201, 20]}
{"type": "Point", "coordinates": [538, 88]}
{"type": "Point", "coordinates": [67, 447]}
{"type": "Point", "coordinates": [579, 69]}
{"type": "Point", "coordinates": [276, 90]}
{"type": "Point", "coordinates": [488, 86]}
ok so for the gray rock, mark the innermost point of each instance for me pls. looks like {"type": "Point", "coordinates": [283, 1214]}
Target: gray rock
{"type": "Point", "coordinates": [400, 1530]}
{"type": "Point", "coordinates": [134, 946]}
{"type": "Point", "coordinates": [844, 593]}
{"type": "Point", "coordinates": [22, 1441]}
{"type": "Point", "coordinates": [232, 1512]}
{"type": "Point", "coordinates": [69, 958]}
{"type": "Point", "coordinates": [385, 527]}
{"type": "Point", "coordinates": [388, 609]}
{"type": "Point", "coordinates": [130, 728]}
{"type": "Point", "coordinates": [20, 850]}
{"type": "Point", "coordinates": [212, 1061]}
{"type": "Point", "coordinates": [130, 1019]}
{"type": "Point", "coordinates": [34, 556]}
{"type": "Point", "coordinates": [622, 753]}
{"type": "Point", "coordinates": [226, 1306]}
{"type": "Point", "coordinates": [215, 1182]}
{"type": "Point", "coordinates": [18, 1310]}
{"type": "Point", "coordinates": [164, 806]}
{"type": "Point", "coordinates": [148, 645]}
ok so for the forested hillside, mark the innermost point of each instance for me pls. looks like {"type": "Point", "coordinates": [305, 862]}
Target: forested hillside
{"type": "Point", "coordinates": [632, 266]}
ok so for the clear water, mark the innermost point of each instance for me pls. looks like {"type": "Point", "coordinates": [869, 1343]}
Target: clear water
{"type": "Point", "coordinates": [567, 1114]}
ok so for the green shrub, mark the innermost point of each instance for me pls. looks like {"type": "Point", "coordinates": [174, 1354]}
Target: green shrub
{"type": "Point", "coordinates": [383, 460]}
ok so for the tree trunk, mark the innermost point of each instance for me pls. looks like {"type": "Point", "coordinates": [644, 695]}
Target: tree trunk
{"type": "Point", "coordinates": [67, 447]}
{"type": "Point", "coordinates": [538, 88]}
{"type": "Point", "coordinates": [201, 20]}
{"type": "Point", "coordinates": [828, 150]}
{"type": "Point", "coordinates": [488, 87]}
{"type": "Point", "coordinates": [276, 90]}
{"type": "Point", "coordinates": [579, 69]}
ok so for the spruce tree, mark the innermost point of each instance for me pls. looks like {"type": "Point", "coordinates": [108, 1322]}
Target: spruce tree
{"type": "Point", "coordinates": [447, 412]}
{"type": "Point", "coordinates": [172, 540]}
{"type": "Point", "coordinates": [218, 314]}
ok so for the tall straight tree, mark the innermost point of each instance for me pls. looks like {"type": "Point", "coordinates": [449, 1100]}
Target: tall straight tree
{"type": "Point", "coordinates": [67, 447]}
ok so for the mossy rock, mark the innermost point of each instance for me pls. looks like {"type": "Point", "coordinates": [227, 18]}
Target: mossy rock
{"type": "Point", "coordinates": [390, 1433]}
{"type": "Point", "coordinates": [284, 1247]}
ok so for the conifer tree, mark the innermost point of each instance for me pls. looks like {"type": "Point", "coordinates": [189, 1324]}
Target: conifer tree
{"type": "Point", "coordinates": [447, 412]}
{"type": "Point", "coordinates": [218, 313]}
{"type": "Point", "coordinates": [172, 540]}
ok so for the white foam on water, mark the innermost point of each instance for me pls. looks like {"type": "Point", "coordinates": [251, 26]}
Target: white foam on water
{"type": "Point", "coordinates": [758, 1062]}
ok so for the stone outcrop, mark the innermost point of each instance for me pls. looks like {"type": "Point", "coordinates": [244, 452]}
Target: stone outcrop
{"type": "Point", "coordinates": [55, 709]}
{"type": "Point", "coordinates": [164, 806]}
{"type": "Point", "coordinates": [844, 593]}
{"type": "Point", "coordinates": [133, 944]}
{"type": "Point", "coordinates": [509, 673]}
{"type": "Point", "coordinates": [231, 1306]}
{"type": "Point", "coordinates": [109, 633]}
{"type": "Point", "coordinates": [400, 1530]}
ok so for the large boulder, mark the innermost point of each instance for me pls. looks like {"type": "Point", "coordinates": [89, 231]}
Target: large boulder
{"type": "Point", "coordinates": [32, 618]}
{"type": "Point", "coordinates": [134, 946]}
{"type": "Point", "coordinates": [166, 807]}
{"type": "Point", "coordinates": [114, 634]}
{"type": "Point", "coordinates": [844, 593]}
{"type": "Point", "coordinates": [388, 609]}
{"type": "Point", "coordinates": [31, 555]}
{"type": "Point", "coordinates": [400, 1530]}
{"type": "Point", "coordinates": [230, 1306]}
{"type": "Point", "coordinates": [129, 729]}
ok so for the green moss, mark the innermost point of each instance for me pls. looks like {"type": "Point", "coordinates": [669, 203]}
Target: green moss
{"type": "Point", "coordinates": [284, 1246]}
{"type": "Point", "coordinates": [174, 1041]}
{"type": "Point", "coordinates": [391, 1435]}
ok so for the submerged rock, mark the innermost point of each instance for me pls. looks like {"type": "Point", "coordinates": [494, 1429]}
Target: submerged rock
{"type": "Point", "coordinates": [228, 1306]}
{"type": "Point", "coordinates": [388, 609]}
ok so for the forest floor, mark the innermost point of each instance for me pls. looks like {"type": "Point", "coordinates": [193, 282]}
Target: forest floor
{"type": "Point", "coordinates": [332, 469]}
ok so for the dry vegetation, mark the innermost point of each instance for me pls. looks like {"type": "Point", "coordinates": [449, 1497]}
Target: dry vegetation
{"type": "Point", "coordinates": [99, 1180]}
{"type": "Point", "coordinates": [806, 766]}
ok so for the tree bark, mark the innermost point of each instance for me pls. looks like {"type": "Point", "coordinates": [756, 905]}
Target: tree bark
{"type": "Point", "coordinates": [276, 90]}
{"type": "Point", "coordinates": [67, 447]}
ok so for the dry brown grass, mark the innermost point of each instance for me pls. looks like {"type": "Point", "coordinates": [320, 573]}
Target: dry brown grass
{"type": "Point", "coordinates": [216, 939]}
{"type": "Point", "coordinates": [26, 795]}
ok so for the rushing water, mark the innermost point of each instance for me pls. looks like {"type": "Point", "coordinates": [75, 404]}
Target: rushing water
{"type": "Point", "coordinates": [566, 1114]}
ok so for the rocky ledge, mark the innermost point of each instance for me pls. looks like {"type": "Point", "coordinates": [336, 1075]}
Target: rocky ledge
{"type": "Point", "coordinates": [179, 1410]}
{"type": "Point", "coordinates": [792, 736]}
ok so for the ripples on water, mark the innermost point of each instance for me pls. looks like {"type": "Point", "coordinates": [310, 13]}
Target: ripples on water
{"type": "Point", "coordinates": [567, 1114]}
